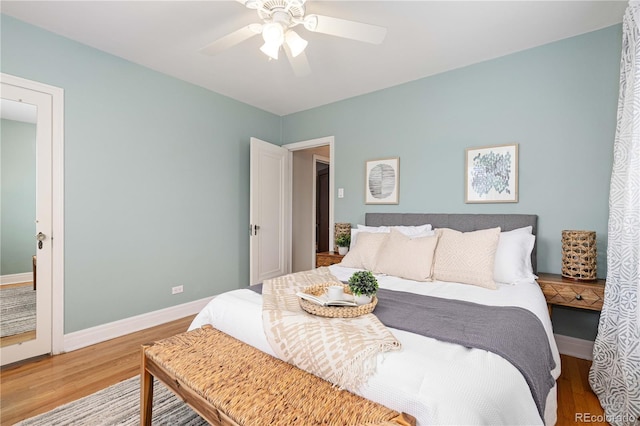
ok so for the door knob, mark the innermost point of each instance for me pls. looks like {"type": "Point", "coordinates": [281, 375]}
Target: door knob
{"type": "Point", "coordinates": [40, 237]}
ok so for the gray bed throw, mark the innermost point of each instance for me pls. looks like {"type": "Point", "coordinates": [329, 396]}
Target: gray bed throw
{"type": "Point", "coordinates": [515, 334]}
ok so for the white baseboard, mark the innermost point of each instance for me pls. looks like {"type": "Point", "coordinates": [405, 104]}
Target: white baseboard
{"type": "Point", "coordinates": [578, 348]}
{"type": "Point", "coordinates": [16, 278]}
{"type": "Point", "coordinates": [101, 333]}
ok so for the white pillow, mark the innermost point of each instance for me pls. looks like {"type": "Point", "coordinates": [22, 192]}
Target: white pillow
{"type": "Point", "coordinates": [466, 257]}
{"type": "Point", "coordinates": [526, 229]}
{"type": "Point", "coordinates": [415, 231]}
{"type": "Point", "coordinates": [406, 257]}
{"type": "Point", "coordinates": [406, 230]}
{"type": "Point", "coordinates": [366, 228]}
{"type": "Point", "coordinates": [364, 253]}
{"type": "Point", "coordinates": [513, 257]}
{"type": "Point", "coordinates": [410, 231]}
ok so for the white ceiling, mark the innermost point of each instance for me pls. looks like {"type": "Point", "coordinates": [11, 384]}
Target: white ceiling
{"type": "Point", "coordinates": [423, 38]}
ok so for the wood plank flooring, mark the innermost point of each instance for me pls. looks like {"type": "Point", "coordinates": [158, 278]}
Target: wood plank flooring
{"type": "Point", "coordinates": [41, 385]}
{"type": "Point", "coordinates": [576, 400]}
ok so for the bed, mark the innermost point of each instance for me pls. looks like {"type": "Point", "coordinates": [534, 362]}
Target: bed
{"type": "Point", "coordinates": [436, 381]}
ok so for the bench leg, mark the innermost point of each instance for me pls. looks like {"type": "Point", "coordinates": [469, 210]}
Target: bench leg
{"type": "Point", "coordinates": [35, 274]}
{"type": "Point", "coordinates": [146, 393]}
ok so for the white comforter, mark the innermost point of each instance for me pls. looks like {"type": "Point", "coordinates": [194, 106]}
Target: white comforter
{"type": "Point", "coordinates": [437, 382]}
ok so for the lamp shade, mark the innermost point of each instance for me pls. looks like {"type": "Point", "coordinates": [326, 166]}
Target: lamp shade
{"type": "Point", "coordinates": [296, 43]}
{"type": "Point", "coordinates": [271, 50]}
{"type": "Point", "coordinates": [273, 33]}
{"type": "Point", "coordinates": [579, 255]}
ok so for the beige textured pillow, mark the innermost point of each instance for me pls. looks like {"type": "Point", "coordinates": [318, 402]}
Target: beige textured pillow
{"type": "Point", "coordinates": [466, 257]}
{"type": "Point", "coordinates": [405, 257]}
{"type": "Point", "coordinates": [365, 252]}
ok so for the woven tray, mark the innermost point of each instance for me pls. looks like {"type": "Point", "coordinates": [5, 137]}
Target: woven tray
{"type": "Point", "coordinates": [335, 311]}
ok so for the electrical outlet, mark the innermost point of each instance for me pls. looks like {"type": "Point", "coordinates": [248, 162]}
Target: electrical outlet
{"type": "Point", "coordinates": [177, 289]}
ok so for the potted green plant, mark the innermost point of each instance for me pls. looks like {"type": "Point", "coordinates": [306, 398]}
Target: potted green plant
{"type": "Point", "coordinates": [363, 285]}
{"type": "Point", "coordinates": [343, 241]}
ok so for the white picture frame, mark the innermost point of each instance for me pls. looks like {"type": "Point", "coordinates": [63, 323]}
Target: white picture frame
{"type": "Point", "coordinates": [491, 174]}
{"type": "Point", "coordinates": [382, 181]}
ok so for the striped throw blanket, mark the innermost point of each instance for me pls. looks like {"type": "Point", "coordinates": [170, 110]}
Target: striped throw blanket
{"type": "Point", "coordinates": [342, 351]}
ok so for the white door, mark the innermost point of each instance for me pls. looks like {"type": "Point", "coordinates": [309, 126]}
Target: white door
{"type": "Point", "coordinates": [269, 211]}
{"type": "Point", "coordinates": [43, 104]}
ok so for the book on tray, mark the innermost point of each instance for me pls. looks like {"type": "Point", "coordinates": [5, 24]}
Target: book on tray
{"type": "Point", "coordinates": [324, 300]}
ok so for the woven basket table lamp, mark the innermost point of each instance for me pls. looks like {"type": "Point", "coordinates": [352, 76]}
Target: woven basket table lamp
{"type": "Point", "coordinates": [579, 255]}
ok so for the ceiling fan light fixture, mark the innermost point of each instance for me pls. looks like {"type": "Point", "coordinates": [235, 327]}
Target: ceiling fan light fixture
{"type": "Point", "coordinates": [273, 33]}
{"type": "Point", "coordinates": [296, 43]}
{"type": "Point", "coordinates": [277, 20]}
{"type": "Point", "coordinates": [271, 50]}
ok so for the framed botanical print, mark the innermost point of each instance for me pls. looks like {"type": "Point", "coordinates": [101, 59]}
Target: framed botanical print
{"type": "Point", "coordinates": [491, 174]}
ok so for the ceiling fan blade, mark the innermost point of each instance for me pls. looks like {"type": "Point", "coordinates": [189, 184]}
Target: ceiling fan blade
{"type": "Point", "coordinates": [300, 64]}
{"type": "Point", "coordinates": [251, 4]}
{"type": "Point", "coordinates": [344, 28]}
{"type": "Point", "coordinates": [231, 39]}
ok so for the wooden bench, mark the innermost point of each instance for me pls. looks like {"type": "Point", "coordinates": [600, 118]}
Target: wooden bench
{"type": "Point", "coordinates": [229, 382]}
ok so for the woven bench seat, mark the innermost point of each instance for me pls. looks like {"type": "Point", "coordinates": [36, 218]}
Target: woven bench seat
{"type": "Point", "coordinates": [229, 382]}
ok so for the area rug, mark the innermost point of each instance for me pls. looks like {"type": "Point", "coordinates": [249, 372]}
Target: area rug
{"type": "Point", "coordinates": [17, 310]}
{"type": "Point", "coordinates": [120, 405]}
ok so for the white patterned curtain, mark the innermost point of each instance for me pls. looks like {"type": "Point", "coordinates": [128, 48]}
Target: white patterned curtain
{"type": "Point", "coordinates": [615, 372]}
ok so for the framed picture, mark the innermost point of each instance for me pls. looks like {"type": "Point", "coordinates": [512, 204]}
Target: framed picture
{"type": "Point", "coordinates": [382, 181]}
{"type": "Point", "coordinates": [491, 174]}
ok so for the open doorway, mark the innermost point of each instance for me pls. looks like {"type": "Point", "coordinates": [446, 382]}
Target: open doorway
{"type": "Point", "coordinates": [322, 179]}
{"type": "Point", "coordinates": [295, 217]}
{"type": "Point", "coordinates": [311, 218]}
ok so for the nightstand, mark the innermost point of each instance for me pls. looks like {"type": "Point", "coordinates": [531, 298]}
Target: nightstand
{"type": "Point", "coordinates": [328, 258]}
{"type": "Point", "coordinates": [567, 292]}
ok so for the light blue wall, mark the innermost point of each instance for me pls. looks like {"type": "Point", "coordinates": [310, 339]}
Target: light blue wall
{"type": "Point", "coordinates": [557, 101]}
{"type": "Point", "coordinates": [157, 170]}
{"type": "Point", "coordinates": [156, 179]}
{"type": "Point", "coordinates": [18, 192]}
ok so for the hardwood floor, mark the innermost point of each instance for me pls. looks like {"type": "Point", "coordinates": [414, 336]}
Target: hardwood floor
{"type": "Point", "coordinates": [576, 401]}
{"type": "Point", "coordinates": [41, 385]}
{"type": "Point", "coordinates": [17, 338]}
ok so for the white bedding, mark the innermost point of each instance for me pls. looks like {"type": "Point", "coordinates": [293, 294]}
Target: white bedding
{"type": "Point", "coordinates": [437, 382]}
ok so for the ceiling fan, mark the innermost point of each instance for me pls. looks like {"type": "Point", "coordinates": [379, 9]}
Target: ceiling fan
{"type": "Point", "coordinates": [279, 17]}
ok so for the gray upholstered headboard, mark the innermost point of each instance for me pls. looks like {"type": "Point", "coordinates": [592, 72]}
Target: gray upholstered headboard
{"type": "Point", "coordinates": [460, 222]}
